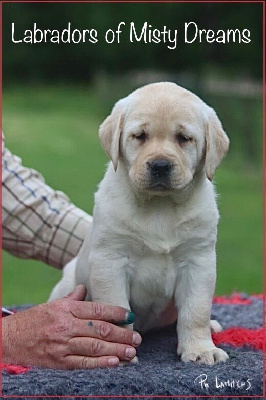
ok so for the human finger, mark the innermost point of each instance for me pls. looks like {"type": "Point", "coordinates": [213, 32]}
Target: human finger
{"type": "Point", "coordinates": [79, 293]}
{"type": "Point", "coordinates": [83, 362]}
{"type": "Point", "coordinates": [92, 347]}
{"type": "Point", "coordinates": [101, 311]}
{"type": "Point", "coordinates": [107, 331]}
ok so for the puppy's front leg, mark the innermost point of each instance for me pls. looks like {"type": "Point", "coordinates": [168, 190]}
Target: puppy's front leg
{"type": "Point", "coordinates": [194, 292]}
{"type": "Point", "coordinates": [109, 283]}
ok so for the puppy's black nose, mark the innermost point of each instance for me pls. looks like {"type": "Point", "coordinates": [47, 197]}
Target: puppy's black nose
{"type": "Point", "coordinates": [160, 168]}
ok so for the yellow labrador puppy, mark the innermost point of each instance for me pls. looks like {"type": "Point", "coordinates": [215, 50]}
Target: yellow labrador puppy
{"type": "Point", "coordinates": [152, 244]}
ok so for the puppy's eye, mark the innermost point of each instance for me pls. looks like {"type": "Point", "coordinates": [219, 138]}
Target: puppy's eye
{"type": "Point", "coordinates": [141, 137]}
{"type": "Point", "coordinates": [181, 138]}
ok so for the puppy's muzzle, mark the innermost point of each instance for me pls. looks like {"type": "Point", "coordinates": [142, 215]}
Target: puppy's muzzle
{"type": "Point", "coordinates": [160, 172]}
{"type": "Point", "coordinates": [160, 168]}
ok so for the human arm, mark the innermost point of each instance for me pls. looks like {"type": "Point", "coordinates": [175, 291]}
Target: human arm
{"type": "Point", "coordinates": [37, 221]}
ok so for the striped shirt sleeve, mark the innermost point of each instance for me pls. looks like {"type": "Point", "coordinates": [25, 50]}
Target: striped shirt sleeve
{"type": "Point", "coordinates": [37, 221]}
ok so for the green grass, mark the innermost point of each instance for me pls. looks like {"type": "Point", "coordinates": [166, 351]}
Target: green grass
{"type": "Point", "coordinates": [239, 246]}
{"type": "Point", "coordinates": [54, 130]}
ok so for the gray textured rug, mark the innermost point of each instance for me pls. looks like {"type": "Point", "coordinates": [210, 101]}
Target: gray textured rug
{"type": "Point", "coordinates": [159, 371]}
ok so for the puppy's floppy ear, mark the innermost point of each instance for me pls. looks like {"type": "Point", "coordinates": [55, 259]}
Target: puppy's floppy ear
{"type": "Point", "coordinates": [110, 132]}
{"type": "Point", "coordinates": [217, 143]}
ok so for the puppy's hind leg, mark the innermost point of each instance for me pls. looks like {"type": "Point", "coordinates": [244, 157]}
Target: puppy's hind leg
{"type": "Point", "coordinates": [68, 282]}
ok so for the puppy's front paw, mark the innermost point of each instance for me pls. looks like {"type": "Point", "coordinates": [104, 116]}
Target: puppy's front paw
{"type": "Point", "coordinates": [133, 361]}
{"type": "Point", "coordinates": [205, 356]}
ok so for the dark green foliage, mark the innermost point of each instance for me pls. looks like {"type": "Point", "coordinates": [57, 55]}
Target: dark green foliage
{"type": "Point", "coordinates": [79, 62]}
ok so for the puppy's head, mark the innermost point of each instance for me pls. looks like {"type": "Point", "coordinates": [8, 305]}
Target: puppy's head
{"type": "Point", "coordinates": [163, 134]}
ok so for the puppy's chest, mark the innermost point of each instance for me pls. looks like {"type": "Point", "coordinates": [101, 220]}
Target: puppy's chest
{"type": "Point", "coordinates": [158, 235]}
{"type": "Point", "coordinates": [161, 244]}
{"type": "Point", "coordinates": [152, 275]}
{"type": "Point", "coordinates": [154, 256]}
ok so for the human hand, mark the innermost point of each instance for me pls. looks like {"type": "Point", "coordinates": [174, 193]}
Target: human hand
{"type": "Point", "coordinates": [68, 333]}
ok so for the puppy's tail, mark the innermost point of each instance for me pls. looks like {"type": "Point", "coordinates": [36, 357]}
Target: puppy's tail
{"type": "Point", "coordinates": [215, 326]}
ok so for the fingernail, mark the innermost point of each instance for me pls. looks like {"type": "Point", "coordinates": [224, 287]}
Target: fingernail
{"type": "Point", "coordinates": [130, 352]}
{"type": "Point", "coordinates": [129, 317]}
{"type": "Point", "coordinates": [113, 361]}
{"type": "Point", "coordinates": [136, 340]}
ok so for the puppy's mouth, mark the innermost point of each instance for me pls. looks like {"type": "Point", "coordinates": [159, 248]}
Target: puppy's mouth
{"type": "Point", "coordinates": [160, 186]}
